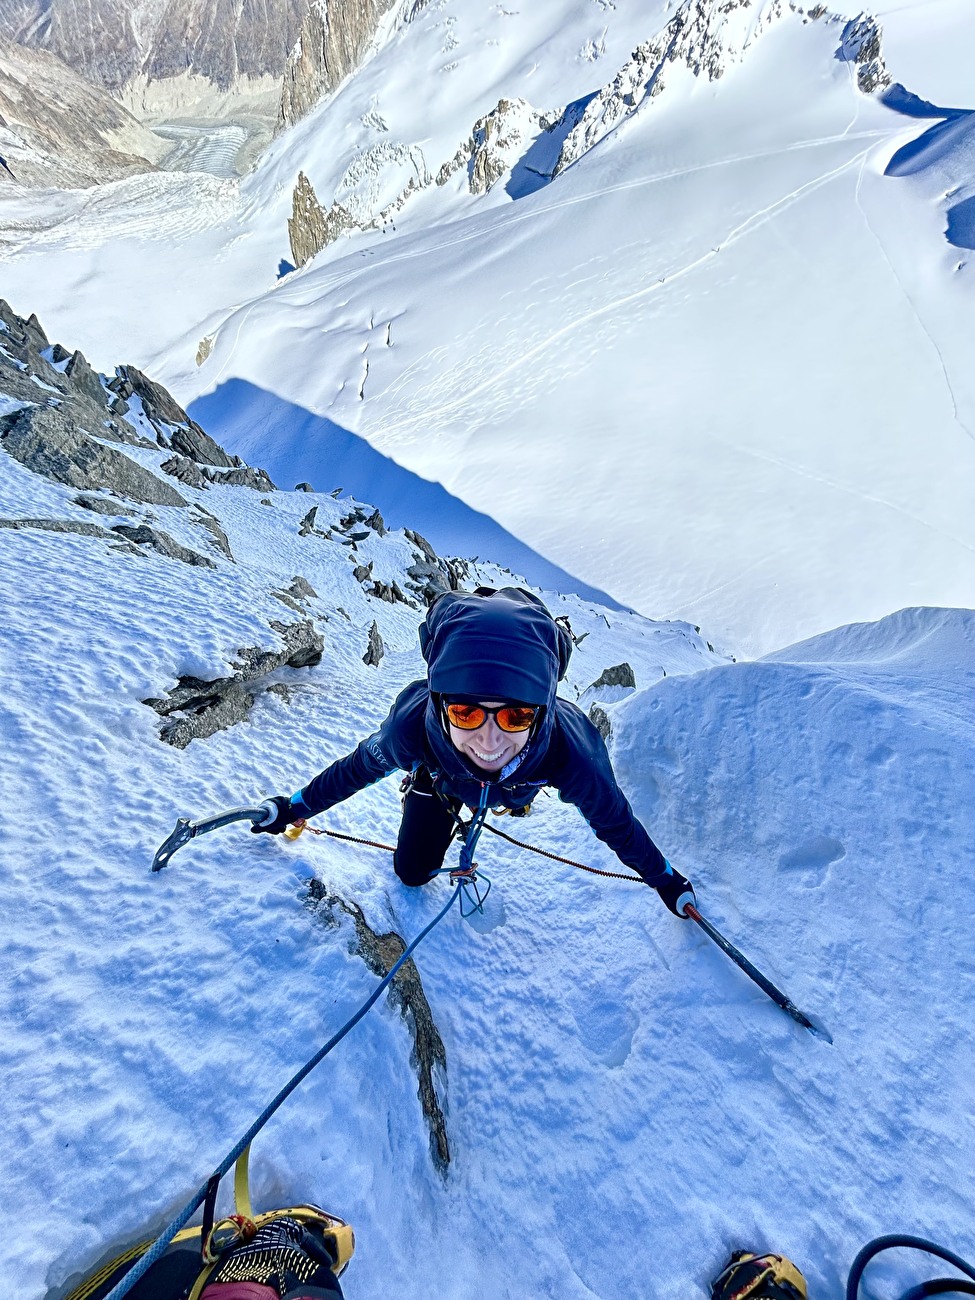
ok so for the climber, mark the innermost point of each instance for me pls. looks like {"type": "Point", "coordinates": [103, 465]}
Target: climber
{"type": "Point", "coordinates": [486, 729]}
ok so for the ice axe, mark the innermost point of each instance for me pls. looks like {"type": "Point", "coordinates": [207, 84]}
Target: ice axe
{"type": "Point", "coordinates": [753, 973]}
{"type": "Point", "coordinates": [185, 830]}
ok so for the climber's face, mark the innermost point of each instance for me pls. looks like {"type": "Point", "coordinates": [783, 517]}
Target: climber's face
{"type": "Point", "coordinates": [487, 745]}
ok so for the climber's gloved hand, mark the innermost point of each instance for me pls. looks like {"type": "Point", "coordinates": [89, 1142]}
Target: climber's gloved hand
{"type": "Point", "coordinates": [676, 891]}
{"type": "Point", "coordinates": [278, 817]}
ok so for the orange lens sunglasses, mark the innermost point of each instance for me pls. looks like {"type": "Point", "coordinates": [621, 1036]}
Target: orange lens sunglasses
{"type": "Point", "coordinates": [509, 717]}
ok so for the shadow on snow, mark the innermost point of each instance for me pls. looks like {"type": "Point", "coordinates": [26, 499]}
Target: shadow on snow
{"type": "Point", "coordinates": [294, 444]}
{"type": "Point", "coordinates": [949, 133]}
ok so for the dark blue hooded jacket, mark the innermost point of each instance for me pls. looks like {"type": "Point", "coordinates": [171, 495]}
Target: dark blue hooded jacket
{"type": "Point", "coordinates": [503, 646]}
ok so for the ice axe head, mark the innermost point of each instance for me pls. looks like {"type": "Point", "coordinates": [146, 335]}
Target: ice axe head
{"type": "Point", "coordinates": [181, 834]}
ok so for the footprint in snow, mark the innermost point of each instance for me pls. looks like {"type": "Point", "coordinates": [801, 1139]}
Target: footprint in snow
{"type": "Point", "coordinates": [810, 860]}
{"type": "Point", "coordinates": [605, 1028]}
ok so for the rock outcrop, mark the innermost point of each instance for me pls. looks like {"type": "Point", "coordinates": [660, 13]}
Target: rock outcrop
{"type": "Point", "coordinates": [705, 38]}
{"type": "Point", "coordinates": [162, 543]}
{"type": "Point", "coordinates": [381, 952]}
{"type": "Point", "coordinates": [860, 45]}
{"type": "Point", "coordinates": [334, 37]}
{"type": "Point", "coordinates": [60, 419]}
{"type": "Point", "coordinates": [497, 141]}
{"type": "Point", "coordinates": [195, 709]}
{"type": "Point", "coordinates": [375, 648]}
{"type": "Point", "coordinates": [307, 231]}
{"type": "Point", "coordinates": [49, 444]}
{"type": "Point", "coordinates": [429, 576]}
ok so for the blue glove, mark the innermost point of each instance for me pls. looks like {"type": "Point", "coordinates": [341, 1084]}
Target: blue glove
{"type": "Point", "coordinates": [676, 891]}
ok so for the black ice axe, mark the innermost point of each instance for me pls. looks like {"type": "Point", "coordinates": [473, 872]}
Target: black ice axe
{"type": "Point", "coordinates": [185, 830]}
{"type": "Point", "coordinates": [753, 973]}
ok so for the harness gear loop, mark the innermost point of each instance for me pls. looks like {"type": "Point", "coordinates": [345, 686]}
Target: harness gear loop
{"type": "Point", "coordinates": [234, 1230]}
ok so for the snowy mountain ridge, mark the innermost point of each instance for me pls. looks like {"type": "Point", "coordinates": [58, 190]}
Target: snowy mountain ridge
{"type": "Point", "coordinates": [704, 37]}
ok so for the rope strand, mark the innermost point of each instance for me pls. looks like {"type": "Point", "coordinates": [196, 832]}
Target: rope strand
{"type": "Point", "coordinates": [555, 857]}
{"type": "Point", "coordinates": [615, 875]}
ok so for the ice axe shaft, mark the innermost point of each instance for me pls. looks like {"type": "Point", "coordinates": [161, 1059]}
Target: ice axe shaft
{"type": "Point", "coordinates": [753, 973]}
{"type": "Point", "coordinates": [185, 830]}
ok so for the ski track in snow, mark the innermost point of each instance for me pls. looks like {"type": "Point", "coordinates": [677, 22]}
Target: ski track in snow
{"type": "Point", "coordinates": [668, 277]}
{"type": "Point", "coordinates": [914, 308]}
{"type": "Point", "coordinates": [325, 284]}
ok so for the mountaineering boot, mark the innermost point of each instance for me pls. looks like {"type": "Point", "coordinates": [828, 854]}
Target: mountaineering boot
{"type": "Point", "coordinates": [758, 1277]}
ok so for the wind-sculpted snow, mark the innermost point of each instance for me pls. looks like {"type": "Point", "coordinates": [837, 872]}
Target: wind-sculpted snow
{"type": "Point", "coordinates": [818, 797]}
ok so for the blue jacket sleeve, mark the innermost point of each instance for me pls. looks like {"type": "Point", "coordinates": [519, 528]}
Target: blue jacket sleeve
{"type": "Point", "coordinates": [394, 747]}
{"type": "Point", "coordinates": [583, 775]}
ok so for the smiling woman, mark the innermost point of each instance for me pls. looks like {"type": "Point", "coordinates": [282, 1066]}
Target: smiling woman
{"type": "Point", "coordinates": [486, 729]}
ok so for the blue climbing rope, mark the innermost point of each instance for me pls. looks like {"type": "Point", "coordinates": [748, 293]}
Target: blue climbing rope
{"type": "Point", "coordinates": [157, 1248]}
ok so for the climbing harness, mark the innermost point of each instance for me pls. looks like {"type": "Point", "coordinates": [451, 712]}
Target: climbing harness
{"type": "Point", "coordinates": [758, 1277]}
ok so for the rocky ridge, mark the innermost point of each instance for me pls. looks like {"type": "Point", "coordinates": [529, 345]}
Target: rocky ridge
{"type": "Point", "coordinates": [110, 43]}
{"type": "Point", "coordinates": [123, 444]}
{"type": "Point", "coordinates": [190, 58]}
{"type": "Point", "coordinates": [334, 36]}
{"type": "Point", "coordinates": [64, 421]}
{"type": "Point", "coordinates": [56, 129]}
{"type": "Point", "coordinates": [704, 38]}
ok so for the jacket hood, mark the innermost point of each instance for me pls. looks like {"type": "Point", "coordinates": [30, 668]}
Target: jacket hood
{"type": "Point", "coordinates": [499, 646]}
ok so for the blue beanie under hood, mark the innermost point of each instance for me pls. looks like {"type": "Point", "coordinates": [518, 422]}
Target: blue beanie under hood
{"type": "Point", "coordinates": [502, 645]}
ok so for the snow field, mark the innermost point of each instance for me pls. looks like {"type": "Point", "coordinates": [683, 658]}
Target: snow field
{"type": "Point", "coordinates": [817, 797]}
{"type": "Point", "coordinates": [150, 1017]}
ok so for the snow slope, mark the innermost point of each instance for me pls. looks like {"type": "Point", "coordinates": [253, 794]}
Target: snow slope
{"type": "Point", "coordinates": [623, 1108]}
{"type": "Point", "coordinates": [725, 321]}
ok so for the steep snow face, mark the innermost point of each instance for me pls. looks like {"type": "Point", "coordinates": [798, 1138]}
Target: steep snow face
{"type": "Point", "coordinates": [145, 1018]}
{"type": "Point", "coordinates": [608, 1070]}
{"type": "Point", "coordinates": [815, 797]}
{"type": "Point", "coordinates": [723, 328]}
